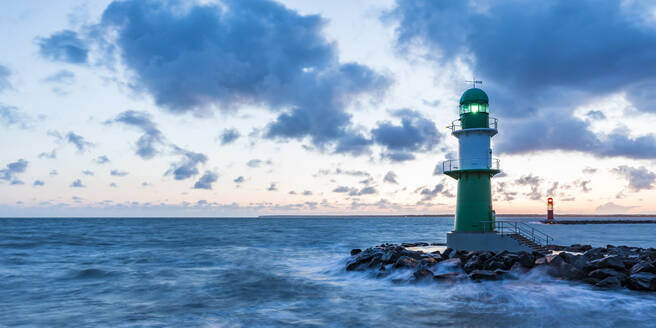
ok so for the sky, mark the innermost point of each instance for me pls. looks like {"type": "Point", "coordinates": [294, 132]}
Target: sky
{"type": "Point", "coordinates": [257, 107]}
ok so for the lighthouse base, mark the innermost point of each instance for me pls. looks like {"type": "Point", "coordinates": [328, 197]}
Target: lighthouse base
{"type": "Point", "coordinates": [483, 241]}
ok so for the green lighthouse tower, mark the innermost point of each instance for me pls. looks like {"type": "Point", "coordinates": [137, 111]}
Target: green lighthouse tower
{"type": "Point", "coordinates": [475, 227]}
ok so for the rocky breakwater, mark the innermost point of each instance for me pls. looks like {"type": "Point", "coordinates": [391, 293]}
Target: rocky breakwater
{"type": "Point", "coordinates": [610, 267]}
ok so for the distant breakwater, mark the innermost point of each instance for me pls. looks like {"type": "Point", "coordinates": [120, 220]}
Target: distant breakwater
{"type": "Point", "coordinates": [600, 222]}
{"type": "Point", "coordinates": [609, 268]}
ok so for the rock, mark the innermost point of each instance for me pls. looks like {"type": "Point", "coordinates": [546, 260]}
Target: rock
{"type": "Point", "coordinates": [642, 281]}
{"type": "Point", "coordinates": [643, 266]}
{"type": "Point", "coordinates": [595, 253]}
{"type": "Point", "coordinates": [473, 264]}
{"type": "Point", "coordinates": [448, 253]}
{"type": "Point", "coordinates": [540, 261]}
{"type": "Point", "coordinates": [483, 275]}
{"type": "Point", "coordinates": [613, 262]}
{"type": "Point", "coordinates": [495, 264]}
{"type": "Point", "coordinates": [406, 262]}
{"type": "Point", "coordinates": [577, 248]}
{"type": "Point", "coordinates": [451, 276]}
{"type": "Point", "coordinates": [423, 274]}
{"type": "Point", "coordinates": [526, 260]}
{"type": "Point", "coordinates": [428, 261]}
{"type": "Point", "coordinates": [391, 256]}
{"type": "Point", "coordinates": [355, 251]}
{"type": "Point", "coordinates": [604, 273]}
{"type": "Point", "coordinates": [454, 262]}
{"type": "Point", "coordinates": [609, 283]}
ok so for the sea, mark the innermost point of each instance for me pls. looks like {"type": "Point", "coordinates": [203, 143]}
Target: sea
{"type": "Point", "coordinates": [281, 272]}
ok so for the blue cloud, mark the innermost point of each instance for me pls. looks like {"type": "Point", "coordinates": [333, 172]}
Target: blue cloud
{"type": "Point", "coordinates": [78, 141]}
{"type": "Point", "coordinates": [64, 46]}
{"type": "Point", "coordinates": [239, 179]}
{"type": "Point", "coordinates": [187, 166]}
{"type": "Point", "coordinates": [206, 56]}
{"type": "Point", "coordinates": [12, 170]}
{"type": "Point", "coordinates": [152, 138]}
{"type": "Point", "coordinates": [77, 183]}
{"type": "Point", "coordinates": [102, 159]}
{"type": "Point", "coordinates": [537, 74]}
{"type": "Point", "coordinates": [229, 136]}
{"type": "Point", "coordinates": [51, 155]}
{"type": "Point", "coordinates": [117, 173]}
{"type": "Point", "coordinates": [390, 177]}
{"type": "Point", "coordinates": [5, 84]}
{"type": "Point", "coordinates": [639, 178]}
{"type": "Point", "coordinates": [88, 173]}
{"type": "Point", "coordinates": [415, 134]}
{"type": "Point", "coordinates": [206, 180]}
{"type": "Point", "coordinates": [11, 116]}
{"type": "Point", "coordinates": [38, 183]}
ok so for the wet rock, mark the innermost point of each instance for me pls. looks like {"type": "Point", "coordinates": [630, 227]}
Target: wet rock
{"type": "Point", "coordinates": [609, 283]}
{"type": "Point", "coordinates": [406, 262]}
{"type": "Point", "coordinates": [448, 253]}
{"type": "Point", "coordinates": [526, 260]}
{"type": "Point", "coordinates": [454, 262]}
{"type": "Point", "coordinates": [594, 253]}
{"type": "Point", "coordinates": [428, 261]}
{"type": "Point", "coordinates": [642, 281]}
{"type": "Point", "coordinates": [484, 275]}
{"type": "Point", "coordinates": [355, 251]}
{"type": "Point", "coordinates": [472, 264]}
{"type": "Point", "coordinates": [577, 248]}
{"type": "Point", "coordinates": [613, 262]}
{"type": "Point", "coordinates": [604, 273]}
{"type": "Point", "coordinates": [643, 266]}
{"type": "Point", "coordinates": [450, 276]}
{"type": "Point", "coordinates": [423, 275]}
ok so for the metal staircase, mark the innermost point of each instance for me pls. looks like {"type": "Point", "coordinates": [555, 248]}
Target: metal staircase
{"type": "Point", "coordinates": [523, 234]}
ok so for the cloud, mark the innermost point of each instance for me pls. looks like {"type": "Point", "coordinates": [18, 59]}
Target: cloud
{"type": "Point", "coordinates": [63, 76]}
{"type": "Point", "coordinates": [589, 170]}
{"type": "Point", "coordinates": [187, 166]}
{"type": "Point", "coordinates": [206, 180]}
{"type": "Point", "coordinates": [364, 191]}
{"type": "Point", "coordinates": [117, 173]}
{"type": "Point", "coordinates": [64, 46]}
{"type": "Point", "coordinates": [101, 159]}
{"type": "Point", "coordinates": [639, 178]}
{"type": "Point", "coordinates": [78, 141]}
{"type": "Point", "coordinates": [52, 172]}
{"type": "Point", "coordinates": [87, 172]}
{"type": "Point", "coordinates": [228, 136]}
{"type": "Point", "coordinates": [439, 189]}
{"type": "Point", "coordinates": [152, 139]}
{"type": "Point", "coordinates": [239, 179]}
{"type": "Point", "coordinates": [38, 183]}
{"type": "Point", "coordinates": [257, 163]}
{"type": "Point", "coordinates": [12, 170]}
{"type": "Point", "coordinates": [307, 193]}
{"type": "Point", "coordinates": [341, 189]}
{"type": "Point", "coordinates": [198, 57]}
{"type": "Point", "coordinates": [51, 155]}
{"type": "Point", "coordinates": [390, 177]}
{"type": "Point", "coordinates": [77, 184]}
{"type": "Point", "coordinates": [11, 116]}
{"type": "Point", "coordinates": [415, 134]}
{"type": "Point", "coordinates": [612, 208]}
{"type": "Point", "coordinates": [534, 183]}
{"type": "Point", "coordinates": [113, 185]}
{"type": "Point", "coordinates": [595, 115]}
{"type": "Point", "coordinates": [272, 187]}
{"type": "Point", "coordinates": [5, 73]}
{"type": "Point", "coordinates": [537, 74]}
{"type": "Point", "coordinates": [339, 171]}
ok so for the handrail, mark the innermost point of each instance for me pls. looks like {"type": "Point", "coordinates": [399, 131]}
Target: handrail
{"type": "Point", "coordinates": [473, 163]}
{"type": "Point", "coordinates": [457, 126]}
{"type": "Point", "coordinates": [523, 229]}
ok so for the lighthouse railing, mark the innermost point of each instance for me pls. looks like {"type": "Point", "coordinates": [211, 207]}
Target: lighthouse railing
{"type": "Point", "coordinates": [456, 125]}
{"type": "Point", "coordinates": [470, 163]}
{"type": "Point", "coordinates": [522, 229]}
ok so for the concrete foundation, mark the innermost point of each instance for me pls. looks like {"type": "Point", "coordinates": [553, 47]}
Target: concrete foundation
{"type": "Point", "coordinates": [483, 241]}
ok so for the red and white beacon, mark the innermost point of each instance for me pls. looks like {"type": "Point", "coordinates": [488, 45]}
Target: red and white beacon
{"type": "Point", "coordinates": [550, 216]}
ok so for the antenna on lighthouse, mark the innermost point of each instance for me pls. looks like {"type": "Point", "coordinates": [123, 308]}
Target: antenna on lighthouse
{"type": "Point", "coordinates": [474, 81]}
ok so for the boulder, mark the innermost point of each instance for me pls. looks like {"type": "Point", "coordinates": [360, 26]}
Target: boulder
{"type": "Point", "coordinates": [454, 262]}
{"type": "Point", "coordinates": [450, 276]}
{"type": "Point", "coordinates": [578, 248]}
{"type": "Point", "coordinates": [643, 266]}
{"type": "Point", "coordinates": [406, 262]}
{"type": "Point", "coordinates": [604, 273]}
{"type": "Point", "coordinates": [609, 283]}
{"type": "Point", "coordinates": [613, 262]}
{"type": "Point", "coordinates": [355, 251]}
{"type": "Point", "coordinates": [526, 260]}
{"type": "Point", "coordinates": [594, 253]}
{"type": "Point", "coordinates": [484, 275]}
{"type": "Point", "coordinates": [423, 274]}
{"type": "Point", "coordinates": [642, 281]}
{"type": "Point", "coordinates": [448, 253]}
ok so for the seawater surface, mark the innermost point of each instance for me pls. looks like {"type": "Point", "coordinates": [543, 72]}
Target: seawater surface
{"type": "Point", "coordinates": [278, 273]}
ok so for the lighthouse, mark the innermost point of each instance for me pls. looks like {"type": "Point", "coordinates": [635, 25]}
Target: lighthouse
{"type": "Point", "coordinates": [475, 227]}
